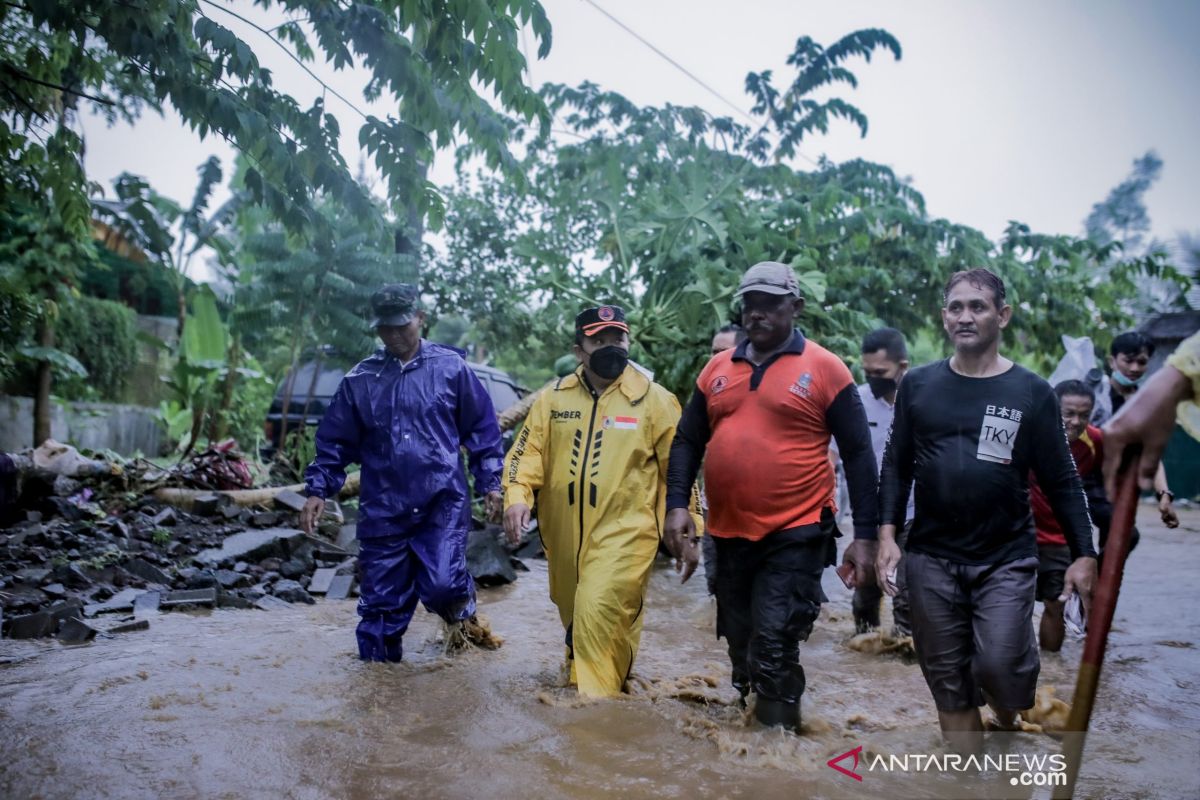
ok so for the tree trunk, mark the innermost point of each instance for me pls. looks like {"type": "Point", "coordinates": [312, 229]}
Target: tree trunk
{"type": "Point", "coordinates": [219, 424]}
{"type": "Point", "coordinates": [312, 387]}
{"type": "Point", "coordinates": [183, 498]}
{"type": "Point", "coordinates": [45, 378]}
{"type": "Point", "coordinates": [291, 381]}
{"type": "Point", "coordinates": [181, 306]}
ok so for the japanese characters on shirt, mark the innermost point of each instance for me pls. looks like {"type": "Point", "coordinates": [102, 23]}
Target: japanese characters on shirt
{"type": "Point", "coordinates": [998, 434]}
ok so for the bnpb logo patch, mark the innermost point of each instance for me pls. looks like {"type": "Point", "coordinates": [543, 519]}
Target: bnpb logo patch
{"type": "Point", "coordinates": [606, 313]}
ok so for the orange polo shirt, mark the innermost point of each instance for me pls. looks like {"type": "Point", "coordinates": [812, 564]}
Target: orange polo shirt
{"type": "Point", "coordinates": [767, 464]}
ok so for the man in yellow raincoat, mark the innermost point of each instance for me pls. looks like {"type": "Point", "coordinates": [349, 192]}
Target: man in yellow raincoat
{"type": "Point", "coordinates": [593, 457]}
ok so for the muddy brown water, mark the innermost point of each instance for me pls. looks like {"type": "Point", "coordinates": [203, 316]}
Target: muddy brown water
{"type": "Point", "coordinates": [240, 704]}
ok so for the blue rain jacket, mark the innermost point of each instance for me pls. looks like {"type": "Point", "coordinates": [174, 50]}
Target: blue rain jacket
{"type": "Point", "coordinates": [405, 426]}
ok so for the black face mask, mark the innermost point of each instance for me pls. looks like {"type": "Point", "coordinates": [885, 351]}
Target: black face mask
{"type": "Point", "coordinates": [881, 386]}
{"type": "Point", "coordinates": [609, 362]}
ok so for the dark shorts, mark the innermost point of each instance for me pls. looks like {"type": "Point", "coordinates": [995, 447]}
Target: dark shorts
{"type": "Point", "coordinates": [973, 631]}
{"type": "Point", "coordinates": [1053, 560]}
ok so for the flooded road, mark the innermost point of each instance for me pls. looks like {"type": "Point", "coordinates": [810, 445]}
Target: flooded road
{"type": "Point", "coordinates": [241, 704]}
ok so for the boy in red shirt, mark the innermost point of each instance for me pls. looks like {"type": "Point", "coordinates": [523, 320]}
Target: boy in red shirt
{"type": "Point", "coordinates": [1075, 402]}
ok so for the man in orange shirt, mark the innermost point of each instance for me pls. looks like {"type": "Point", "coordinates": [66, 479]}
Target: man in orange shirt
{"type": "Point", "coordinates": [764, 412]}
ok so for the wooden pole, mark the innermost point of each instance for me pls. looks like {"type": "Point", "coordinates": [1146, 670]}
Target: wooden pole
{"type": "Point", "coordinates": [1104, 605]}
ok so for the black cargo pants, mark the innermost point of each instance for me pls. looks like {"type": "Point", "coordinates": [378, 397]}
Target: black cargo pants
{"type": "Point", "coordinates": [768, 596]}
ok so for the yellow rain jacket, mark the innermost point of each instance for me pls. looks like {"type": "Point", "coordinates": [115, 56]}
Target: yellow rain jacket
{"type": "Point", "coordinates": [595, 468]}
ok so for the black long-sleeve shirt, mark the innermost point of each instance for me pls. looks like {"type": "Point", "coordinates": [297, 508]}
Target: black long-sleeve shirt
{"type": "Point", "coordinates": [770, 426]}
{"type": "Point", "coordinates": [969, 445]}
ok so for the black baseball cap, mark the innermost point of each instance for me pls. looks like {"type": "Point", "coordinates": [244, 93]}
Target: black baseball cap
{"type": "Point", "coordinates": [395, 304]}
{"type": "Point", "coordinates": [591, 321]}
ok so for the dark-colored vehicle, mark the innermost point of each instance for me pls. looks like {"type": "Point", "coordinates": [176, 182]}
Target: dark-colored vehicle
{"type": "Point", "coordinates": [501, 387]}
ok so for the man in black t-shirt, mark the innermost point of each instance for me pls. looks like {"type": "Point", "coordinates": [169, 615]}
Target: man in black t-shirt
{"type": "Point", "coordinates": [968, 430]}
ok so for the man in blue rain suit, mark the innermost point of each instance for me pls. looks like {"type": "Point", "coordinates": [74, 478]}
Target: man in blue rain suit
{"type": "Point", "coordinates": [403, 414]}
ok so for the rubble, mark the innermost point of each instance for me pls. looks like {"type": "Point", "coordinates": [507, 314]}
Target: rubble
{"type": "Point", "coordinates": [321, 579]}
{"type": "Point", "coordinates": [129, 627]}
{"type": "Point", "coordinates": [290, 501]}
{"type": "Point", "coordinates": [95, 547]}
{"type": "Point", "coordinates": [340, 587]}
{"type": "Point", "coordinates": [487, 560]}
{"type": "Point", "coordinates": [75, 631]}
{"type": "Point", "coordinates": [251, 546]}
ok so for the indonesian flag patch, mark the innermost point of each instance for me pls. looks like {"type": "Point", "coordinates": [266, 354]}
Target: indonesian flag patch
{"type": "Point", "coordinates": [626, 423]}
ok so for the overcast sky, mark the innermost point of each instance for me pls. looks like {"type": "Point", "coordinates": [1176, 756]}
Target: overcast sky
{"type": "Point", "coordinates": [997, 111]}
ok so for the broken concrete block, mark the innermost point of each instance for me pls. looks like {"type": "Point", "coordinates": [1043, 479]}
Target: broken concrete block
{"type": "Point", "coordinates": [339, 587]}
{"type": "Point", "coordinates": [251, 546]}
{"type": "Point", "coordinates": [147, 603]}
{"type": "Point", "coordinates": [55, 590]}
{"type": "Point", "coordinates": [33, 575]}
{"type": "Point", "coordinates": [72, 576]}
{"type": "Point", "coordinates": [121, 601]}
{"type": "Point", "coordinates": [66, 609]}
{"type": "Point", "coordinates": [291, 592]}
{"type": "Point", "coordinates": [229, 600]}
{"type": "Point", "coordinates": [265, 519]}
{"type": "Point", "coordinates": [231, 512]}
{"type": "Point", "coordinates": [269, 603]}
{"type": "Point", "coordinates": [165, 518]}
{"type": "Point", "coordinates": [205, 505]}
{"type": "Point", "coordinates": [75, 631]}
{"type": "Point", "coordinates": [487, 560]}
{"type": "Point", "coordinates": [228, 579]}
{"type": "Point", "coordinates": [321, 580]}
{"type": "Point", "coordinates": [190, 597]}
{"type": "Point", "coordinates": [31, 626]}
{"type": "Point", "coordinates": [290, 501]}
{"type": "Point", "coordinates": [130, 627]}
{"type": "Point", "coordinates": [347, 538]}
{"type": "Point", "coordinates": [203, 579]}
{"type": "Point", "coordinates": [146, 571]}
{"type": "Point", "coordinates": [293, 568]}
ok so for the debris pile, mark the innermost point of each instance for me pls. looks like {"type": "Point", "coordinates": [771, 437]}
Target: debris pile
{"type": "Point", "coordinates": [89, 547]}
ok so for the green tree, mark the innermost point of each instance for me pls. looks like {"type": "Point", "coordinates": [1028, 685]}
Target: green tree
{"type": "Point", "coordinates": [430, 58]}
{"type": "Point", "coordinates": [314, 295]}
{"type": "Point", "coordinates": [662, 209]}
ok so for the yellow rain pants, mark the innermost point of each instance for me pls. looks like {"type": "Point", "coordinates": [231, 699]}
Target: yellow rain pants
{"type": "Point", "coordinates": [595, 469]}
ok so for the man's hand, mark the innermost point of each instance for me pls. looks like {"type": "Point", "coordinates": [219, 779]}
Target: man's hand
{"type": "Point", "coordinates": [516, 520]}
{"type": "Point", "coordinates": [1167, 512]}
{"type": "Point", "coordinates": [678, 526]}
{"type": "Point", "coordinates": [887, 559]}
{"type": "Point", "coordinates": [861, 553]}
{"type": "Point", "coordinates": [686, 564]}
{"type": "Point", "coordinates": [1081, 578]}
{"type": "Point", "coordinates": [314, 507]}
{"type": "Point", "coordinates": [493, 504]}
{"type": "Point", "coordinates": [679, 535]}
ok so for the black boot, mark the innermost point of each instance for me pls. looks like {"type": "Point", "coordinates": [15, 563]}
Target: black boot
{"type": "Point", "coordinates": [776, 713]}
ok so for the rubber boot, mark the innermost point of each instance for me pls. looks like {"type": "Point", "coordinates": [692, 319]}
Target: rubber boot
{"type": "Point", "coordinates": [776, 713]}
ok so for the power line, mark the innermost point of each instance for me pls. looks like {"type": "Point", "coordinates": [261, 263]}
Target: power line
{"type": "Point", "coordinates": [684, 70]}
{"type": "Point", "coordinates": [290, 55]}
{"type": "Point", "coordinates": [672, 62]}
